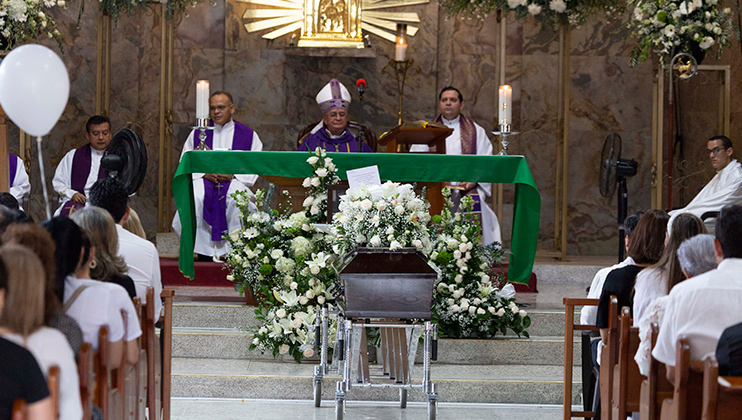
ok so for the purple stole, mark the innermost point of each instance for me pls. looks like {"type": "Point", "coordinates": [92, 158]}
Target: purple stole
{"type": "Point", "coordinates": [81, 163]}
{"type": "Point", "coordinates": [215, 195]}
{"type": "Point", "coordinates": [345, 143]}
{"type": "Point", "coordinates": [12, 167]}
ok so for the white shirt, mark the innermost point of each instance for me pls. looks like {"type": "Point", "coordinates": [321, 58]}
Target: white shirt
{"type": "Point", "coordinates": [101, 304]}
{"type": "Point", "coordinates": [655, 313]}
{"type": "Point", "coordinates": [725, 188]}
{"type": "Point", "coordinates": [50, 348]}
{"type": "Point", "coordinates": [700, 309]}
{"type": "Point", "coordinates": [589, 313]}
{"type": "Point", "coordinates": [21, 185]}
{"type": "Point", "coordinates": [144, 265]}
{"type": "Point", "coordinates": [651, 283]}
{"type": "Point", "coordinates": [62, 181]}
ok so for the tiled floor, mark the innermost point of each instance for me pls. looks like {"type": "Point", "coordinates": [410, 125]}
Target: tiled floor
{"type": "Point", "coordinates": [228, 409]}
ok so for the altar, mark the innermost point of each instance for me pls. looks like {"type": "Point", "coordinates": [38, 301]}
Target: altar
{"type": "Point", "coordinates": [396, 167]}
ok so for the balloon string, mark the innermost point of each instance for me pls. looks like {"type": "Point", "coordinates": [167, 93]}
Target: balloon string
{"type": "Point", "coordinates": [43, 178]}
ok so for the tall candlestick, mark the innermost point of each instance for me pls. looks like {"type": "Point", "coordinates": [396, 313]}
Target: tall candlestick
{"type": "Point", "coordinates": [504, 108]}
{"type": "Point", "coordinates": [400, 50]}
{"type": "Point", "coordinates": [202, 99]}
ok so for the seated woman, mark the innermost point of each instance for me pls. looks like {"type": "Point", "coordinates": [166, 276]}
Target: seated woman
{"type": "Point", "coordinates": [658, 279]}
{"type": "Point", "coordinates": [22, 322]}
{"type": "Point", "coordinates": [97, 303]}
{"type": "Point", "coordinates": [38, 240]}
{"type": "Point", "coordinates": [107, 265]}
{"type": "Point", "coordinates": [333, 135]}
{"type": "Point", "coordinates": [696, 256]}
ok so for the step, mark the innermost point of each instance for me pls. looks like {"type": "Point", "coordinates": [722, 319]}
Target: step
{"type": "Point", "coordinates": [547, 322]}
{"type": "Point", "coordinates": [226, 378]}
{"type": "Point", "coordinates": [225, 343]}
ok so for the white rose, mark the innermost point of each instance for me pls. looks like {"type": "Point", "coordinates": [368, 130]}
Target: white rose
{"type": "Point", "coordinates": [491, 309]}
{"type": "Point", "coordinates": [390, 230]}
{"type": "Point", "coordinates": [472, 309]}
{"type": "Point", "coordinates": [230, 277]}
{"type": "Point", "coordinates": [417, 243]}
{"type": "Point", "coordinates": [308, 201]}
{"type": "Point", "coordinates": [375, 240]}
{"type": "Point", "coordinates": [314, 210]}
{"type": "Point", "coordinates": [312, 160]}
{"type": "Point", "coordinates": [310, 293]}
{"type": "Point", "coordinates": [320, 299]}
{"type": "Point", "coordinates": [321, 172]}
{"type": "Point", "coordinates": [450, 302]}
{"type": "Point", "coordinates": [309, 352]}
{"type": "Point", "coordinates": [296, 322]}
{"type": "Point", "coordinates": [462, 247]}
{"type": "Point", "coordinates": [477, 301]}
{"type": "Point", "coordinates": [522, 313]}
{"type": "Point", "coordinates": [306, 183]}
{"type": "Point", "coordinates": [276, 254]}
{"type": "Point", "coordinates": [399, 210]}
{"type": "Point", "coordinates": [485, 278]}
{"type": "Point", "coordinates": [395, 245]}
{"type": "Point", "coordinates": [481, 311]}
{"type": "Point", "coordinates": [514, 309]}
{"type": "Point", "coordinates": [455, 308]}
{"type": "Point", "coordinates": [316, 182]}
{"type": "Point", "coordinates": [303, 300]}
{"type": "Point", "coordinates": [293, 285]}
{"type": "Point", "coordinates": [328, 161]}
{"type": "Point", "coordinates": [262, 330]}
{"type": "Point", "coordinates": [305, 227]}
{"type": "Point", "coordinates": [283, 349]}
{"type": "Point", "coordinates": [501, 312]}
{"type": "Point", "coordinates": [255, 341]}
{"type": "Point", "coordinates": [457, 254]}
{"type": "Point", "coordinates": [459, 278]}
{"type": "Point", "coordinates": [281, 313]}
{"type": "Point", "coordinates": [314, 269]}
{"type": "Point", "coordinates": [366, 204]}
{"type": "Point", "coordinates": [381, 205]}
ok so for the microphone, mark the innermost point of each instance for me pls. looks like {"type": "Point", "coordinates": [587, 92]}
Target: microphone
{"type": "Point", "coordinates": [361, 85]}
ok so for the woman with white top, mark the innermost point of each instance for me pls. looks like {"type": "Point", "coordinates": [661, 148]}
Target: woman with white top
{"type": "Point", "coordinates": [22, 322]}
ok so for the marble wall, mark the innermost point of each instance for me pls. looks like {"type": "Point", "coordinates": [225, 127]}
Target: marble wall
{"type": "Point", "coordinates": [274, 89]}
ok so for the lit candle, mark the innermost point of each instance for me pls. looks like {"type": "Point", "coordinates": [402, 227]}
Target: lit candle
{"type": "Point", "coordinates": [505, 111]}
{"type": "Point", "coordinates": [202, 99]}
{"type": "Point", "coordinates": [400, 49]}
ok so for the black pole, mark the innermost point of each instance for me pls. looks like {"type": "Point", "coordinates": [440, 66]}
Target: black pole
{"type": "Point", "coordinates": [623, 199]}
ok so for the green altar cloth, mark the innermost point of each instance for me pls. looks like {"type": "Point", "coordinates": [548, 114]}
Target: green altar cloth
{"type": "Point", "coordinates": [392, 166]}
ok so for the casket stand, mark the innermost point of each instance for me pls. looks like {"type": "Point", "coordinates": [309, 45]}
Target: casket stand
{"type": "Point", "coordinates": [392, 291]}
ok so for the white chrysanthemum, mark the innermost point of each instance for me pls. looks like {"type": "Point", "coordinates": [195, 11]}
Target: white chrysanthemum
{"type": "Point", "coordinates": [534, 9]}
{"type": "Point", "coordinates": [285, 265]}
{"type": "Point", "coordinates": [516, 3]}
{"type": "Point", "coordinates": [558, 6]}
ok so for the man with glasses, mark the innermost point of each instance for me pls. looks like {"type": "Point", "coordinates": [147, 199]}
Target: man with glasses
{"type": "Point", "coordinates": [724, 189]}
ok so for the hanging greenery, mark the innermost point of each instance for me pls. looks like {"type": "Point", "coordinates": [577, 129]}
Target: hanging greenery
{"type": "Point", "coordinates": [24, 20]}
{"type": "Point", "coordinates": [547, 12]}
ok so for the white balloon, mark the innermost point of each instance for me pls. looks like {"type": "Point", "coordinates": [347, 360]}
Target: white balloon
{"type": "Point", "coordinates": [34, 88]}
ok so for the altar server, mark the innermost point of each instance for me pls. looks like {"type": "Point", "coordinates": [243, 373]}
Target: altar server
{"type": "Point", "coordinates": [18, 181]}
{"type": "Point", "coordinates": [468, 138]}
{"type": "Point", "coordinates": [80, 168]}
{"type": "Point", "coordinates": [332, 132]}
{"type": "Point", "coordinates": [215, 210]}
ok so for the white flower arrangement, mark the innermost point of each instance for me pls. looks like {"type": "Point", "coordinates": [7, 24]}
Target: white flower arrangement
{"type": "Point", "coordinates": [22, 20]}
{"type": "Point", "coordinates": [324, 174]}
{"type": "Point", "coordinates": [668, 27]}
{"type": "Point", "coordinates": [390, 215]}
{"type": "Point", "coordinates": [549, 12]}
{"type": "Point", "coordinates": [469, 298]}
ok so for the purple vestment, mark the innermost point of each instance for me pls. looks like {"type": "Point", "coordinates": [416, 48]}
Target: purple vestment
{"type": "Point", "coordinates": [215, 195]}
{"type": "Point", "coordinates": [81, 162]}
{"type": "Point", "coordinates": [12, 167]}
{"type": "Point", "coordinates": [345, 143]}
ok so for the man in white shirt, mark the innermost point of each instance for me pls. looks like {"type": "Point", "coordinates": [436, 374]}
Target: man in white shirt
{"type": "Point", "coordinates": [215, 210]}
{"type": "Point", "coordinates": [80, 168]}
{"type": "Point", "coordinates": [468, 138]}
{"type": "Point", "coordinates": [724, 189]}
{"type": "Point", "coordinates": [701, 308]}
{"type": "Point", "coordinates": [139, 254]}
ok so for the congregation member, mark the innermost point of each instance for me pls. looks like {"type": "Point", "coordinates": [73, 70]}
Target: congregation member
{"type": "Point", "coordinates": [724, 189]}
{"type": "Point", "coordinates": [587, 314]}
{"type": "Point", "coordinates": [658, 279]}
{"type": "Point", "coordinates": [22, 322]}
{"type": "Point", "coordinates": [702, 307]}
{"type": "Point", "coordinates": [139, 254]}
{"type": "Point", "coordinates": [20, 186]}
{"type": "Point", "coordinates": [20, 375]}
{"type": "Point", "coordinates": [39, 241]}
{"type": "Point", "coordinates": [696, 256]}
{"type": "Point", "coordinates": [106, 265]}
{"type": "Point", "coordinates": [92, 303]}
{"type": "Point", "coordinates": [215, 210]}
{"type": "Point", "coordinates": [729, 351]}
{"type": "Point", "coordinates": [332, 132]}
{"type": "Point", "coordinates": [468, 138]}
{"type": "Point", "coordinates": [80, 168]}
{"type": "Point", "coordinates": [8, 200]}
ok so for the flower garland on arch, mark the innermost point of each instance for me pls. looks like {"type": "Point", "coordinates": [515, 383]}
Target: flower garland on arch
{"type": "Point", "coordinates": [24, 20]}
{"type": "Point", "coordinates": [547, 12]}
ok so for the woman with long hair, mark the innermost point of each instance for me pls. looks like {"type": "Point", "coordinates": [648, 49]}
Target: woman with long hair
{"type": "Point", "coordinates": [107, 265]}
{"type": "Point", "coordinates": [658, 279]}
{"type": "Point", "coordinates": [22, 322]}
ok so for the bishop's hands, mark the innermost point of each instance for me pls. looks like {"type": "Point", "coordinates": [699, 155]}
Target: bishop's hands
{"type": "Point", "coordinates": [217, 178]}
{"type": "Point", "coordinates": [79, 198]}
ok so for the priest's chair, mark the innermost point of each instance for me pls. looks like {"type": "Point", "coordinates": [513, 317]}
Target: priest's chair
{"type": "Point", "coordinates": [359, 130]}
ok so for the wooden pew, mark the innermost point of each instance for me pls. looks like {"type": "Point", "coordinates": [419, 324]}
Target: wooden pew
{"type": "Point", "coordinates": [626, 377]}
{"type": "Point", "coordinates": [608, 361]}
{"type": "Point", "coordinates": [167, 353]}
{"type": "Point", "coordinates": [52, 382]}
{"type": "Point", "coordinates": [154, 358]}
{"type": "Point", "coordinates": [141, 369]}
{"type": "Point", "coordinates": [722, 396]}
{"type": "Point", "coordinates": [126, 379]}
{"type": "Point", "coordinates": [569, 328]}
{"type": "Point", "coordinates": [85, 372]}
{"type": "Point", "coordinates": [687, 397]}
{"type": "Point", "coordinates": [655, 388]}
{"type": "Point", "coordinates": [102, 373]}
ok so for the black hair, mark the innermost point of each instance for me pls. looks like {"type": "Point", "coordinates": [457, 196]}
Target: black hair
{"type": "Point", "coordinates": [630, 222]}
{"type": "Point", "coordinates": [8, 200]}
{"type": "Point", "coordinates": [447, 88]}
{"type": "Point", "coordinates": [68, 238]}
{"type": "Point", "coordinates": [724, 141]}
{"type": "Point", "coordinates": [110, 195]}
{"type": "Point", "coordinates": [729, 230]}
{"type": "Point", "coordinates": [3, 275]}
{"type": "Point", "coordinates": [96, 120]}
{"type": "Point", "coordinates": [223, 92]}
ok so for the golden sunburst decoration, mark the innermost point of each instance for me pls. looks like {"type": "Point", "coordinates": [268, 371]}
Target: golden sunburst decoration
{"type": "Point", "coordinates": [330, 22]}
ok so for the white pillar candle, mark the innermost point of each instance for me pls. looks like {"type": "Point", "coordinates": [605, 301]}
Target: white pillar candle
{"type": "Point", "coordinates": [400, 50]}
{"type": "Point", "coordinates": [202, 99]}
{"type": "Point", "coordinates": [504, 108]}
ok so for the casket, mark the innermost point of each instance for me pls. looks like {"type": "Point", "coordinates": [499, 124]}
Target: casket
{"type": "Point", "coordinates": [380, 283]}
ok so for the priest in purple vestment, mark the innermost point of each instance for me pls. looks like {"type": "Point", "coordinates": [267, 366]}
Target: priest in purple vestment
{"type": "Point", "coordinates": [332, 133]}
{"type": "Point", "coordinates": [215, 210]}
{"type": "Point", "coordinates": [80, 168]}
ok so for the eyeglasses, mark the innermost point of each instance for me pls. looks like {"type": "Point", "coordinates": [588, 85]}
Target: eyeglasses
{"type": "Point", "coordinates": [716, 150]}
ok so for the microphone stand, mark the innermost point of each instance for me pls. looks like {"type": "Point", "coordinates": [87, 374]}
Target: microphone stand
{"type": "Point", "coordinates": [360, 128]}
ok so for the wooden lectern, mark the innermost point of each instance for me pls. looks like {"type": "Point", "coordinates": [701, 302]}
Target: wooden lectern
{"type": "Point", "coordinates": [400, 138]}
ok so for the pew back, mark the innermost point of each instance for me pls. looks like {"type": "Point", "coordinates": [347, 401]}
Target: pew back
{"type": "Point", "coordinates": [627, 379]}
{"type": "Point", "coordinates": [569, 328]}
{"type": "Point", "coordinates": [722, 396]}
